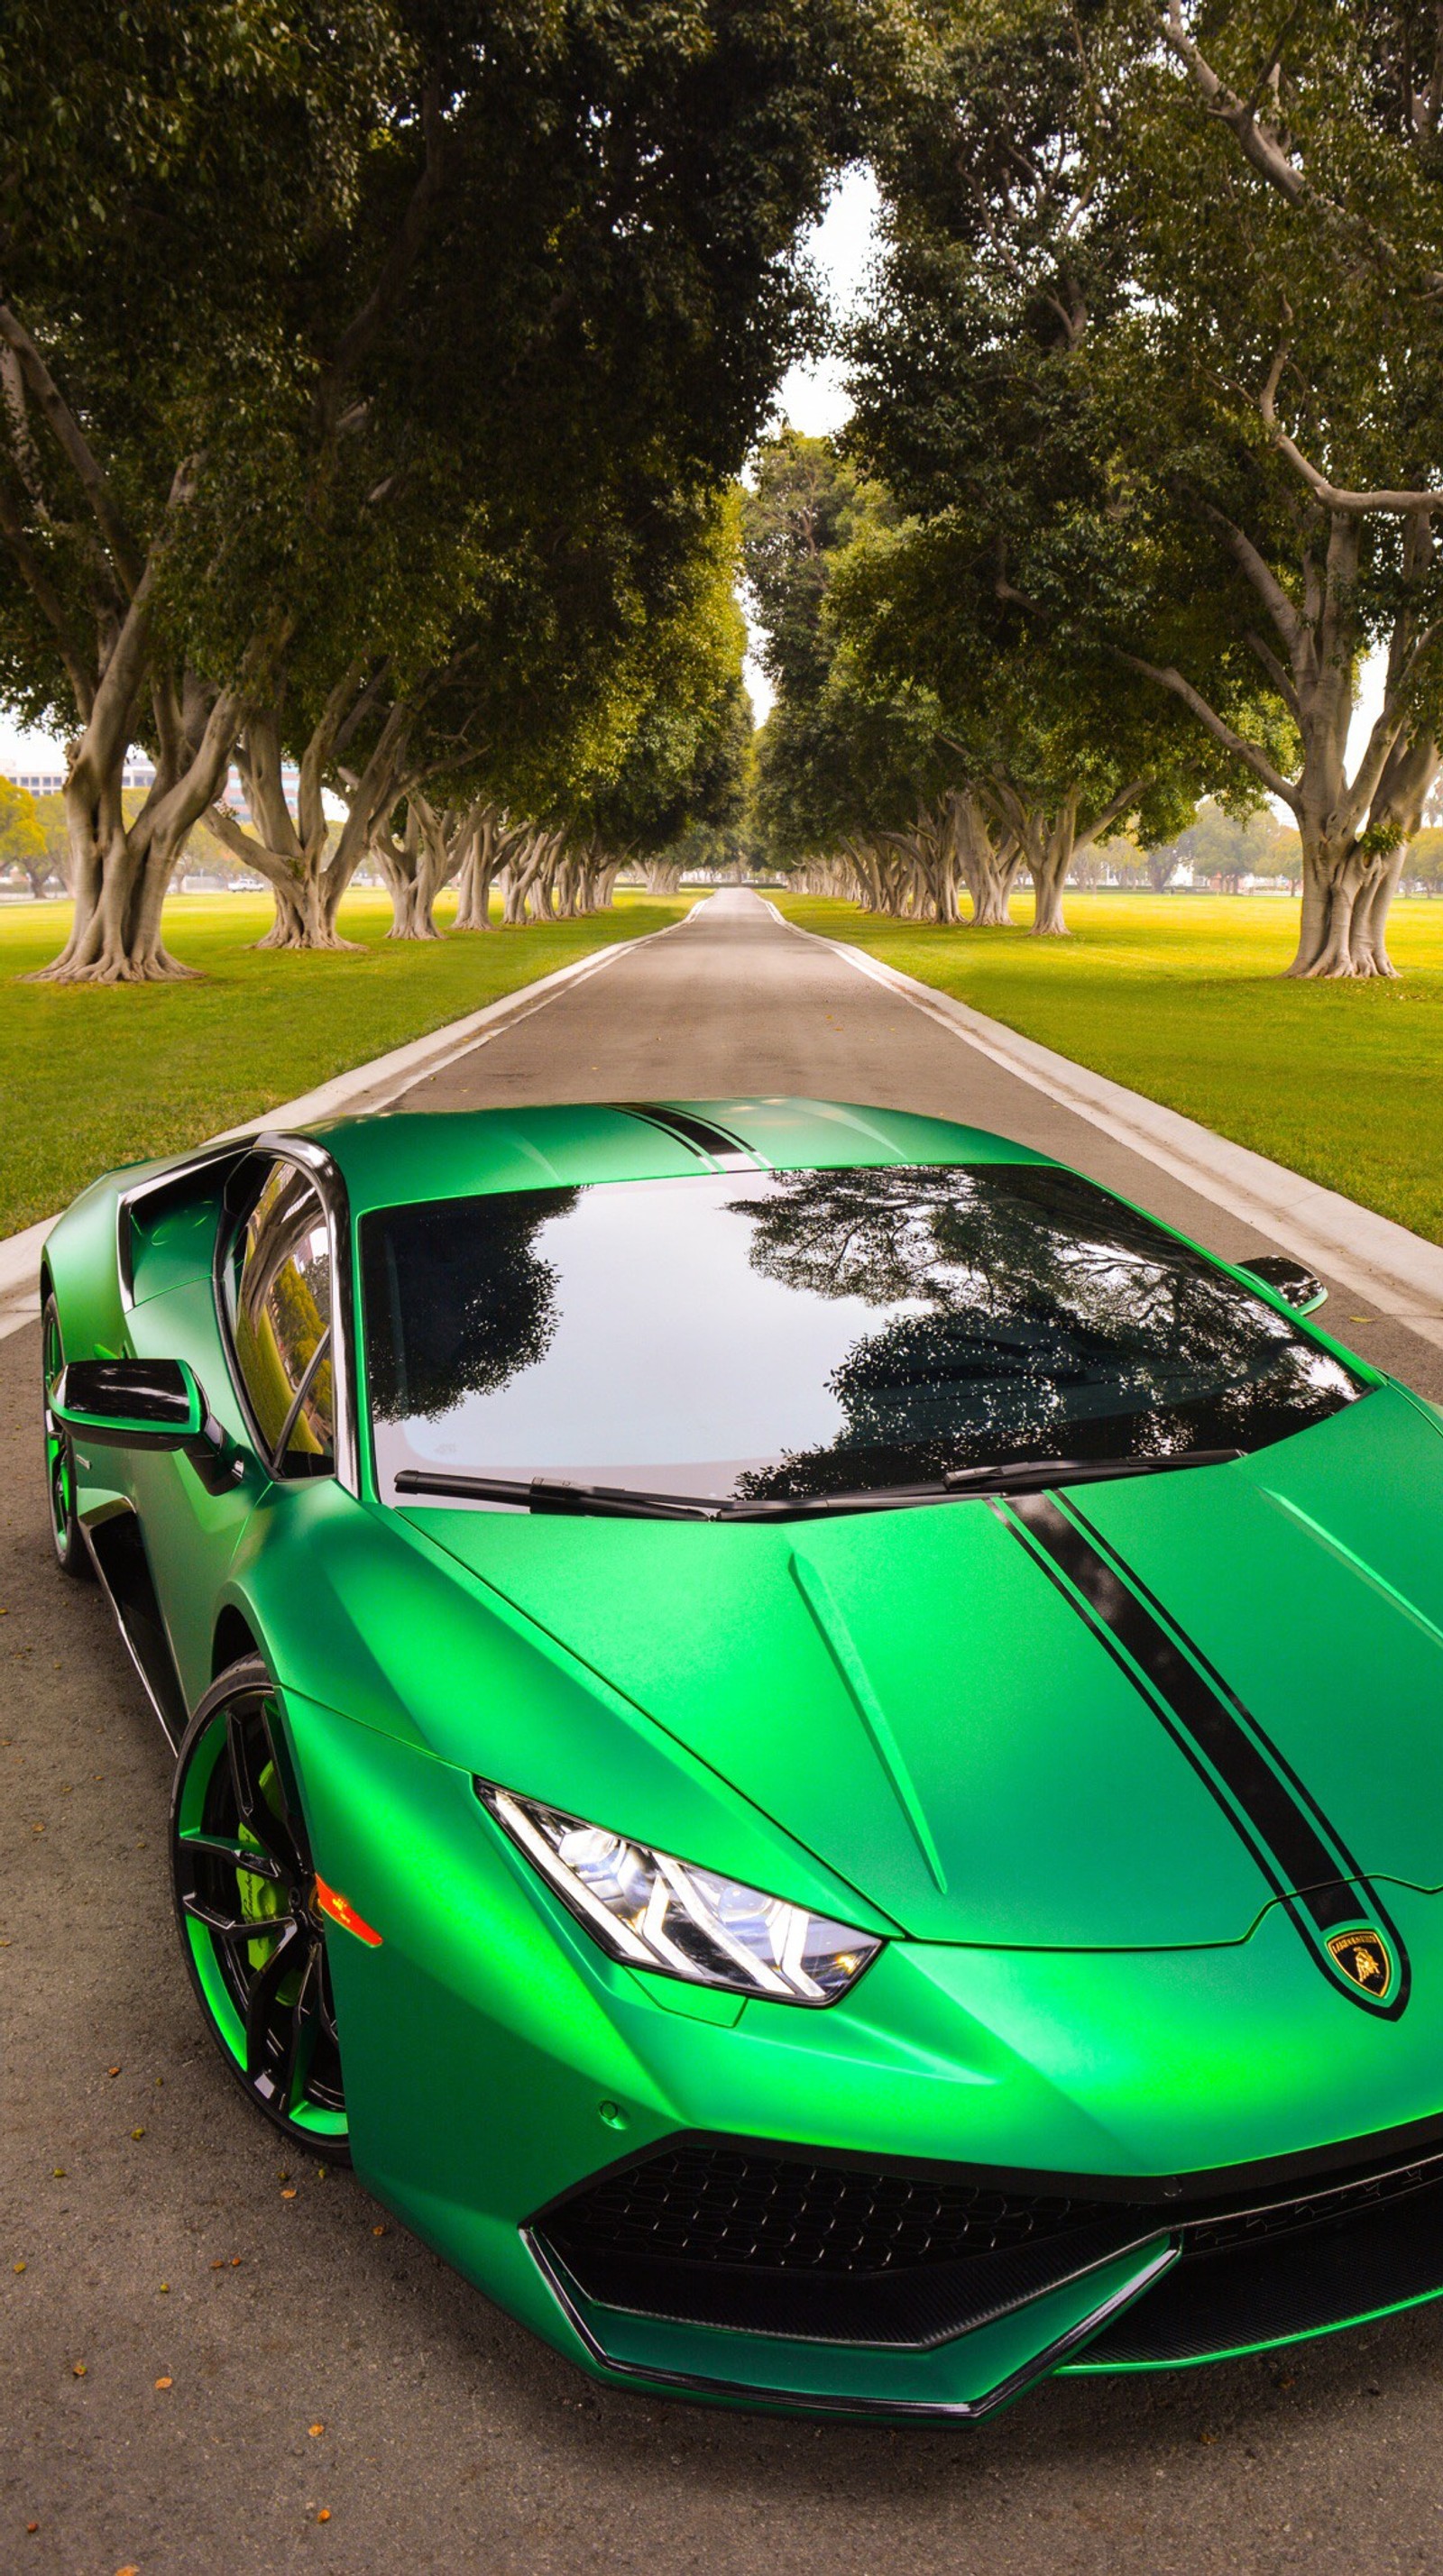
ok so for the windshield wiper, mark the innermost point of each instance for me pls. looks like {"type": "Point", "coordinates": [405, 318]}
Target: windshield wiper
{"type": "Point", "coordinates": [554, 1494]}
{"type": "Point", "coordinates": [631, 1502]}
{"type": "Point", "coordinates": [1012, 1476]}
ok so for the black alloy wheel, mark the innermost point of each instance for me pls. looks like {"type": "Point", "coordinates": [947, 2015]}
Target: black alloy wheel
{"type": "Point", "coordinates": [246, 1900]}
{"type": "Point", "coordinates": [71, 1553]}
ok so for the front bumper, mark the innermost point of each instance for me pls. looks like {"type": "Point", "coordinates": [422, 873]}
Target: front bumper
{"type": "Point", "coordinates": [496, 2064]}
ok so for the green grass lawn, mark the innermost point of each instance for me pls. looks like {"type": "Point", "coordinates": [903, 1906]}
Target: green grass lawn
{"type": "Point", "coordinates": [94, 1075]}
{"type": "Point", "coordinates": [1179, 997]}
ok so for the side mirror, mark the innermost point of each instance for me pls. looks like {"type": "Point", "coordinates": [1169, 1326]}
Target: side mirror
{"type": "Point", "coordinates": [145, 1404]}
{"type": "Point", "coordinates": [1288, 1279]}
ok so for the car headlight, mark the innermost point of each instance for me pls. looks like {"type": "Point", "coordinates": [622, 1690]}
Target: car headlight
{"type": "Point", "coordinates": [654, 1911]}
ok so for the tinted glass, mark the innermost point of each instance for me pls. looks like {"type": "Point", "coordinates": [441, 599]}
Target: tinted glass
{"type": "Point", "coordinates": [804, 1333]}
{"type": "Point", "coordinates": [281, 1319]}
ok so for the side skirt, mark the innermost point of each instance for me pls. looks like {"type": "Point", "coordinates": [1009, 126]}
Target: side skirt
{"type": "Point", "coordinates": [117, 1550]}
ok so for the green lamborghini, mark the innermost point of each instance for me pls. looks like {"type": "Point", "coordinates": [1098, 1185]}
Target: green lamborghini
{"type": "Point", "coordinates": [816, 1743]}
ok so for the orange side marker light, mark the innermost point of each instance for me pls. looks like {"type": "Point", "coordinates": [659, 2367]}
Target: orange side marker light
{"type": "Point", "coordinates": [342, 1911]}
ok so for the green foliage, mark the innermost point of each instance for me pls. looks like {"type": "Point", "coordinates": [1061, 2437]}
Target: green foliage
{"type": "Point", "coordinates": [401, 357]}
{"type": "Point", "coordinates": [836, 755]}
{"type": "Point", "coordinates": [22, 835]}
{"type": "Point", "coordinates": [1232, 846]}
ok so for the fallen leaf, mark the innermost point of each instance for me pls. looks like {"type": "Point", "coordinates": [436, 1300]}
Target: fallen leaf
{"type": "Point", "coordinates": [165, 2383]}
{"type": "Point", "coordinates": [289, 2193]}
{"type": "Point", "coordinates": [315, 2429]}
{"type": "Point", "coordinates": [165, 2285]}
{"type": "Point", "coordinates": [137, 2133]}
{"type": "Point", "coordinates": [218, 2265]}
{"type": "Point", "coordinates": [234, 2260]}
{"type": "Point", "coordinates": [32, 2526]}
{"type": "Point", "coordinates": [112, 2070]}
{"type": "Point", "coordinates": [1207, 2437]}
{"type": "Point", "coordinates": [378, 2231]}
{"type": "Point", "coordinates": [77, 2369]}
{"type": "Point", "coordinates": [17, 2267]}
{"type": "Point", "coordinates": [325, 2514]}
{"type": "Point", "coordinates": [60, 2173]}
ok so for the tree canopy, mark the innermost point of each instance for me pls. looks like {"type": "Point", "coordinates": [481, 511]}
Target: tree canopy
{"type": "Point", "coordinates": [371, 375]}
{"type": "Point", "coordinates": [1153, 366]}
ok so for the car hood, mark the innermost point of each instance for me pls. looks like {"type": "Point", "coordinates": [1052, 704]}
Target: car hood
{"type": "Point", "coordinates": [1081, 1721]}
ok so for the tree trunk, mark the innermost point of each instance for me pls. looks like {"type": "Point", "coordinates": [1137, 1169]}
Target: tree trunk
{"type": "Point", "coordinates": [487, 841]}
{"type": "Point", "coordinates": [306, 917]}
{"type": "Point", "coordinates": [990, 863]}
{"type": "Point", "coordinates": [1049, 921]}
{"type": "Point", "coordinates": [122, 872]}
{"type": "Point", "coordinates": [1347, 891]}
{"type": "Point", "coordinates": [1048, 843]}
{"type": "Point", "coordinates": [417, 866]}
{"type": "Point", "coordinates": [1346, 897]}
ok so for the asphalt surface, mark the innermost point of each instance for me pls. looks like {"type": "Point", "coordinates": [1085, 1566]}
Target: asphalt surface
{"type": "Point", "coordinates": [208, 2344]}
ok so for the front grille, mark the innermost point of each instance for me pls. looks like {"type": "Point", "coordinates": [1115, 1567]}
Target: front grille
{"type": "Point", "coordinates": [719, 2205]}
{"type": "Point", "coordinates": [1285, 2217]}
{"type": "Point", "coordinates": [777, 2243]}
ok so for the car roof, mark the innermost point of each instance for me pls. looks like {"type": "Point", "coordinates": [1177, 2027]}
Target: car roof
{"type": "Point", "coordinates": [403, 1157]}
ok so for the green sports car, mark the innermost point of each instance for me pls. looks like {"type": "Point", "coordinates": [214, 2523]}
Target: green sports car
{"type": "Point", "coordinates": [817, 1743]}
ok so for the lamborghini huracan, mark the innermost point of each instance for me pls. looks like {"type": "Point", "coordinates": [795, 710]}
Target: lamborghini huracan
{"type": "Point", "coordinates": [817, 1744]}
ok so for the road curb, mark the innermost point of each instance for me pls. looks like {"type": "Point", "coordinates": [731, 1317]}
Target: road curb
{"type": "Point", "coordinates": [1401, 1273]}
{"type": "Point", "coordinates": [366, 1086]}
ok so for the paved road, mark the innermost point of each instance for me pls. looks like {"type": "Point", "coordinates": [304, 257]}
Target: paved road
{"type": "Point", "coordinates": [317, 2360]}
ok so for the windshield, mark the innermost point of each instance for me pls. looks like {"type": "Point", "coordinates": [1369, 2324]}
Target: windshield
{"type": "Point", "coordinates": [799, 1334]}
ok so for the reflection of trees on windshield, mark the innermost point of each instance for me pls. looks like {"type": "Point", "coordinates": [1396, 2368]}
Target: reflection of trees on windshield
{"type": "Point", "coordinates": [458, 1298]}
{"type": "Point", "coordinates": [1038, 1317]}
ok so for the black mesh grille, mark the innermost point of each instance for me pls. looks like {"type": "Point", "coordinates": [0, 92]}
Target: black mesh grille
{"type": "Point", "coordinates": [718, 2205]}
{"type": "Point", "coordinates": [848, 2253]}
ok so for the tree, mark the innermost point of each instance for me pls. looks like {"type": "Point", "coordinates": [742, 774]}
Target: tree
{"type": "Point", "coordinates": [1050, 753]}
{"type": "Point", "coordinates": [22, 838]}
{"type": "Point", "coordinates": [1160, 320]}
{"type": "Point", "coordinates": [1232, 846]}
{"type": "Point", "coordinates": [320, 330]}
{"type": "Point", "coordinates": [170, 182]}
{"type": "Point", "coordinates": [844, 767]}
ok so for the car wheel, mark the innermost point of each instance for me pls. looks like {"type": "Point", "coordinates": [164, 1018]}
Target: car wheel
{"type": "Point", "coordinates": [71, 1553]}
{"type": "Point", "coordinates": [245, 1894]}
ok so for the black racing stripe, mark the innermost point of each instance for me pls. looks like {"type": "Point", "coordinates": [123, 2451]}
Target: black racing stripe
{"type": "Point", "coordinates": [1292, 1842]}
{"type": "Point", "coordinates": [697, 1132]}
{"type": "Point", "coordinates": [1225, 1692]}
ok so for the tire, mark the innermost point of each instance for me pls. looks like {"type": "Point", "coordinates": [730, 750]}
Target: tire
{"type": "Point", "coordinates": [71, 1553]}
{"type": "Point", "coordinates": [253, 1940]}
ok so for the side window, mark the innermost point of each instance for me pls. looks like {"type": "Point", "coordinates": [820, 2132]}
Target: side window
{"type": "Point", "coordinates": [280, 1278]}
